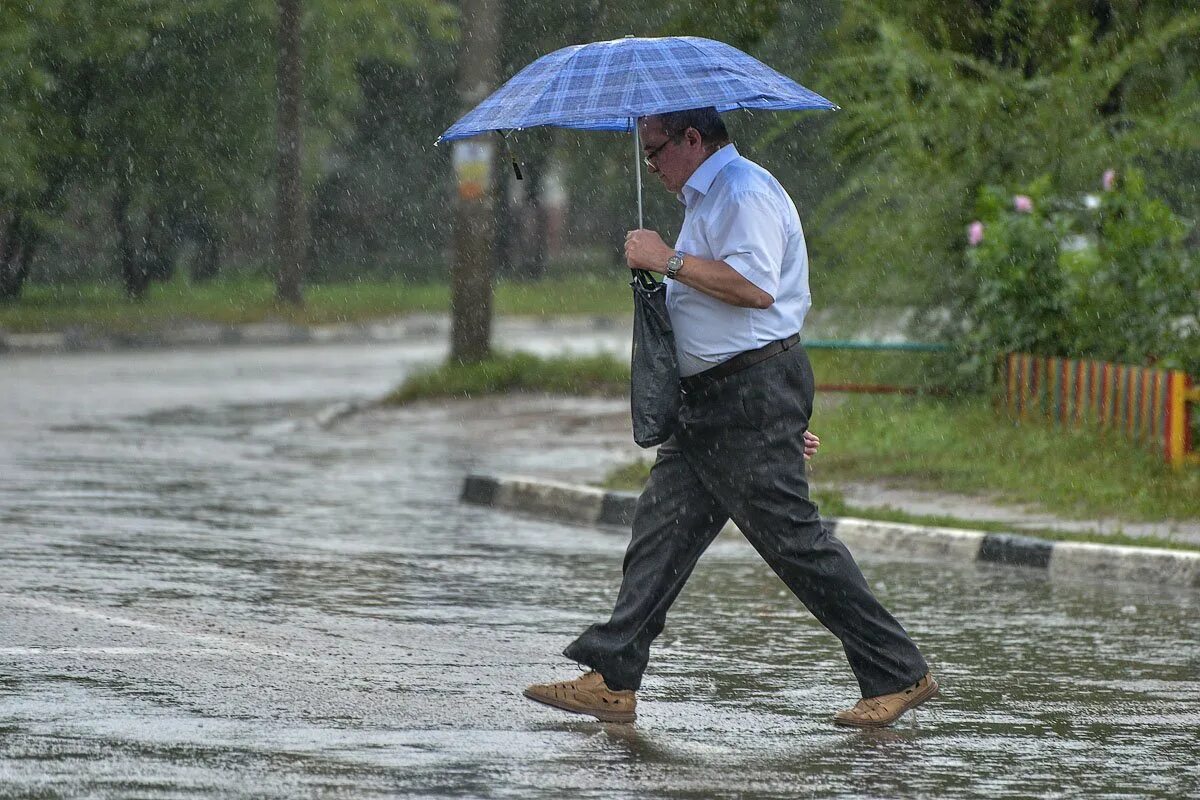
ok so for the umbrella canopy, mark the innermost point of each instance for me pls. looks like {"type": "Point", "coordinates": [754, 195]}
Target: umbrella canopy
{"type": "Point", "coordinates": [607, 86]}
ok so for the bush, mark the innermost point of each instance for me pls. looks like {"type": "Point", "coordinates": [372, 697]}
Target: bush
{"type": "Point", "coordinates": [1109, 279]}
{"type": "Point", "coordinates": [1141, 293]}
{"type": "Point", "coordinates": [1020, 298]}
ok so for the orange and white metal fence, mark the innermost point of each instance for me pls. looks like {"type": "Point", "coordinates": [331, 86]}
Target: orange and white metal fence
{"type": "Point", "coordinates": [1150, 405]}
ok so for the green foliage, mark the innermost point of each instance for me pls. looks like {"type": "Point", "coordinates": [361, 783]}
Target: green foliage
{"type": "Point", "coordinates": [741, 23]}
{"type": "Point", "coordinates": [1142, 290]}
{"type": "Point", "coordinates": [1014, 290]}
{"type": "Point", "coordinates": [1125, 291]}
{"type": "Point", "coordinates": [941, 99]}
{"type": "Point", "coordinates": [144, 129]}
{"type": "Point", "coordinates": [519, 372]}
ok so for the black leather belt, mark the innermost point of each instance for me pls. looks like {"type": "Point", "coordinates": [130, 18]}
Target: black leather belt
{"type": "Point", "coordinates": [702, 380]}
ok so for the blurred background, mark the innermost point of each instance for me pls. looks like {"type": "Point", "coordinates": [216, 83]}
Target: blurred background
{"type": "Point", "coordinates": [1005, 175]}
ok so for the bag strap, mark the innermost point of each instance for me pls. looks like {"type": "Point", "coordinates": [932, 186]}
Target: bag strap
{"type": "Point", "coordinates": [644, 278]}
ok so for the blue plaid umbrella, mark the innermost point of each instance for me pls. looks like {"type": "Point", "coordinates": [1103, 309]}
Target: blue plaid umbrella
{"type": "Point", "coordinates": [607, 86]}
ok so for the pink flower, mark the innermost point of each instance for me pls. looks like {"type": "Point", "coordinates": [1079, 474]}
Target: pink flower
{"type": "Point", "coordinates": [1022, 204]}
{"type": "Point", "coordinates": [1109, 179]}
{"type": "Point", "coordinates": [975, 233]}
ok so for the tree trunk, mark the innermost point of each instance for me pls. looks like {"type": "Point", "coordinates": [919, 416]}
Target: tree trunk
{"type": "Point", "coordinates": [207, 262]}
{"type": "Point", "coordinates": [289, 248]}
{"type": "Point", "coordinates": [16, 253]}
{"type": "Point", "coordinates": [159, 248]}
{"type": "Point", "coordinates": [471, 279]}
{"type": "Point", "coordinates": [134, 273]}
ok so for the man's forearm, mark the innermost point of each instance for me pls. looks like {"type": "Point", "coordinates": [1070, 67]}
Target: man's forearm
{"type": "Point", "coordinates": [718, 279]}
{"type": "Point", "coordinates": [645, 249]}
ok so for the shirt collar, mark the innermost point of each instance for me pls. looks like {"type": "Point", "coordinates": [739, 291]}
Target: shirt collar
{"type": "Point", "coordinates": [702, 179]}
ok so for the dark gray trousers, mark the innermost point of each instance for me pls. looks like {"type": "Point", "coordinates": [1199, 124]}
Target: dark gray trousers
{"type": "Point", "coordinates": [739, 453]}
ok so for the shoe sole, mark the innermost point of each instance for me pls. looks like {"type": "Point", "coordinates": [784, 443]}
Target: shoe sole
{"type": "Point", "coordinates": [603, 716]}
{"type": "Point", "coordinates": [933, 691]}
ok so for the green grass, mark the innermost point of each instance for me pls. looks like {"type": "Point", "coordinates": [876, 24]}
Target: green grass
{"type": "Point", "coordinates": [966, 447]}
{"type": "Point", "coordinates": [892, 368]}
{"type": "Point", "coordinates": [104, 307]}
{"type": "Point", "coordinates": [520, 372]}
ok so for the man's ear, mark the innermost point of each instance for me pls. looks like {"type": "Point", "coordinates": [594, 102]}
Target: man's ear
{"type": "Point", "coordinates": [693, 136]}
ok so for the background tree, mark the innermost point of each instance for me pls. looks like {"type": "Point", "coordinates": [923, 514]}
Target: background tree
{"type": "Point", "coordinates": [471, 274]}
{"type": "Point", "coordinates": [940, 101]}
{"type": "Point", "coordinates": [140, 130]}
{"type": "Point", "coordinates": [289, 198]}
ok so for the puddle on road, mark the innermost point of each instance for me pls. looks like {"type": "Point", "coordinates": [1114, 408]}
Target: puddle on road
{"type": "Point", "coordinates": [235, 609]}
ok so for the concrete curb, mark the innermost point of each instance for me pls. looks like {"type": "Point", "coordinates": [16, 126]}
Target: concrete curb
{"type": "Point", "coordinates": [587, 505]}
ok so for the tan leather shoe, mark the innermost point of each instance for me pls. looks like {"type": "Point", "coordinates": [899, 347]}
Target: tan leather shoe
{"type": "Point", "coordinates": [587, 694]}
{"type": "Point", "coordinates": [878, 712]}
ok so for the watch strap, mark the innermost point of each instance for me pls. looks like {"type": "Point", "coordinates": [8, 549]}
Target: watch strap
{"type": "Point", "coordinates": [674, 264]}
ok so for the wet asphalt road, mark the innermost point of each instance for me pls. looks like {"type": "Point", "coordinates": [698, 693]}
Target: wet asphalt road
{"type": "Point", "coordinates": [206, 593]}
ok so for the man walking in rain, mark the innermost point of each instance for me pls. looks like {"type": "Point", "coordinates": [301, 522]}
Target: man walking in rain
{"type": "Point", "coordinates": [737, 294]}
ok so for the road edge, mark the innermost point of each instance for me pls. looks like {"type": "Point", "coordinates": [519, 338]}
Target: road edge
{"type": "Point", "coordinates": [587, 505]}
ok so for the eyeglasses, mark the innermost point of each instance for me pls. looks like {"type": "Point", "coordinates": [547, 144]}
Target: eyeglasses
{"type": "Point", "coordinates": [649, 159]}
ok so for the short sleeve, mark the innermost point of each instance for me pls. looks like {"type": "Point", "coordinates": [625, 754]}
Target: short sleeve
{"type": "Point", "coordinates": [748, 234]}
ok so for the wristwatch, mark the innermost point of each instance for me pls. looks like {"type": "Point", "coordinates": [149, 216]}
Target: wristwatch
{"type": "Point", "coordinates": [674, 263]}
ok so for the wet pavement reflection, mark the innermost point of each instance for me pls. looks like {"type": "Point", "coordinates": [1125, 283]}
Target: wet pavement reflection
{"type": "Point", "coordinates": [204, 592]}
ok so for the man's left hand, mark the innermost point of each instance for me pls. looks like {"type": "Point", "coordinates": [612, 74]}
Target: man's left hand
{"type": "Point", "coordinates": [811, 444]}
{"type": "Point", "coordinates": [645, 249]}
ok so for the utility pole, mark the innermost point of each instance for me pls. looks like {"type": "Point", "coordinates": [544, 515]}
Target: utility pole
{"type": "Point", "coordinates": [289, 221]}
{"type": "Point", "coordinates": [473, 160]}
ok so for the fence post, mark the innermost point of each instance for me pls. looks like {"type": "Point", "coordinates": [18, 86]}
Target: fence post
{"type": "Point", "coordinates": [1177, 418]}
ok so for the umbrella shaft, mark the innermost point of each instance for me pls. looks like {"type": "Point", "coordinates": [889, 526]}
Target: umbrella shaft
{"type": "Point", "coordinates": [637, 165]}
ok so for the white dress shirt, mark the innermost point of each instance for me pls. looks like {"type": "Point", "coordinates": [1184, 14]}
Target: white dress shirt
{"type": "Point", "coordinates": [738, 213]}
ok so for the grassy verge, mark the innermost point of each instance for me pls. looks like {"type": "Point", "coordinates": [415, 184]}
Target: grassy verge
{"type": "Point", "coordinates": [233, 302]}
{"type": "Point", "coordinates": [592, 375]}
{"type": "Point", "coordinates": [966, 447]}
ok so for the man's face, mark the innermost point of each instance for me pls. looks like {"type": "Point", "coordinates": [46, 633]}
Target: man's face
{"type": "Point", "coordinates": [672, 159]}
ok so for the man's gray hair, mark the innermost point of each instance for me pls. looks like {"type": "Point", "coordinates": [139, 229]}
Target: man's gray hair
{"type": "Point", "coordinates": [706, 121]}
